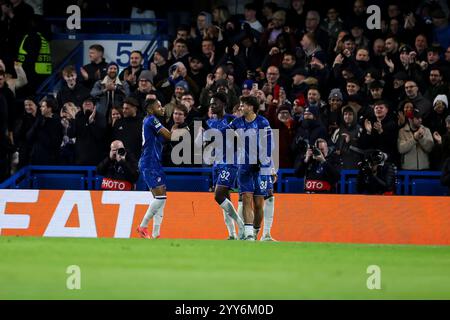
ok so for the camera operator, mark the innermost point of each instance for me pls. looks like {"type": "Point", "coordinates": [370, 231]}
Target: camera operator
{"type": "Point", "coordinates": [319, 168]}
{"type": "Point", "coordinates": [119, 169]}
{"type": "Point", "coordinates": [376, 175]}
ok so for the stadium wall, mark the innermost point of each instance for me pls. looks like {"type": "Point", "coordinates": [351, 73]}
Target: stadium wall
{"type": "Point", "coordinates": [305, 218]}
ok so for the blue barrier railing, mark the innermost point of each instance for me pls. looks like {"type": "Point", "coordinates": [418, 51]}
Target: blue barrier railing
{"type": "Point", "coordinates": [200, 179]}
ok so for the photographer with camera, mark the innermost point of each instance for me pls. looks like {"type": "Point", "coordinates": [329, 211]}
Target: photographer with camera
{"type": "Point", "coordinates": [119, 169]}
{"type": "Point", "coordinates": [376, 175]}
{"type": "Point", "coordinates": [319, 168]}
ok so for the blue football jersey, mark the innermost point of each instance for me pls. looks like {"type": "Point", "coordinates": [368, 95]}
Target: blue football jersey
{"type": "Point", "coordinates": [221, 125]}
{"type": "Point", "coordinates": [258, 150]}
{"type": "Point", "coordinates": [152, 143]}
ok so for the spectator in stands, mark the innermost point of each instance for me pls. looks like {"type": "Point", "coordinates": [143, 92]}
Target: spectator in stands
{"type": "Point", "coordinates": [441, 30]}
{"type": "Point", "coordinates": [312, 25]}
{"type": "Point", "coordinates": [299, 86]}
{"type": "Point", "coordinates": [420, 102]}
{"type": "Point", "coordinates": [97, 68]}
{"type": "Point", "coordinates": [72, 90]}
{"type": "Point", "coordinates": [209, 53]}
{"type": "Point", "coordinates": [129, 128]}
{"type": "Point", "coordinates": [15, 83]}
{"type": "Point", "coordinates": [160, 66]}
{"type": "Point", "coordinates": [192, 113]}
{"type": "Point", "coordinates": [119, 169]}
{"type": "Point", "coordinates": [197, 70]}
{"type": "Point", "coordinates": [408, 64]}
{"type": "Point", "coordinates": [405, 112]}
{"type": "Point", "coordinates": [181, 88]}
{"type": "Point", "coordinates": [46, 134]}
{"type": "Point", "coordinates": [180, 52]}
{"type": "Point", "coordinates": [110, 91]}
{"type": "Point", "coordinates": [437, 85]}
{"type": "Point", "coordinates": [217, 83]}
{"type": "Point", "coordinates": [436, 120]}
{"type": "Point", "coordinates": [67, 151]}
{"type": "Point", "coordinates": [381, 132]}
{"type": "Point", "coordinates": [203, 21]}
{"type": "Point", "coordinates": [345, 136]}
{"type": "Point", "coordinates": [146, 90]}
{"type": "Point", "coordinates": [319, 168]}
{"type": "Point", "coordinates": [376, 174]}
{"type": "Point", "coordinates": [441, 150]}
{"type": "Point", "coordinates": [279, 116]}
{"type": "Point", "coordinates": [131, 73]}
{"type": "Point", "coordinates": [296, 14]}
{"type": "Point", "coordinates": [24, 146]}
{"type": "Point", "coordinates": [273, 30]}
{"type": "Point", "coordinates": [89, 131]}
{"type": "Point", "coordinates": [353, 91]}
{"type": "Point", "coordinates": [308, 130]}
{"type": "Point", "coordinates": [267, 11]}
{"type": "Point", "coordinates": [331, 114]}
{"type": "Point", "coordinates": [178, 120]}
{"type": "Point", "coordinates": [314, 99]}
{"type": "Point", "coordinates": [298, 108]}
{"type": "Point", "coordinates": [15, 19]}
{"type": "Point", "coordinates": [220, 16]}
{"type": "Point", "coordinates": [377, 55]}
{"type": "Point", "coordinates": [10, 103]}
{"type": "Point", "coordinates": [420, 46]}
{"type": "Point", "coordinates": [415, 142]}
{"type": "Point", "coordinates": [178, 72]}
{"type": "Point", "coordinates": [116, 114]}
{"type": "Point", "coordinates": [310, 50]}
{"type": "Point", "coordinates": [332, 24]}
{"type": "Point", "coordinates": [250, 17]}
{"type": "Point", "coordinates": [376, 91]}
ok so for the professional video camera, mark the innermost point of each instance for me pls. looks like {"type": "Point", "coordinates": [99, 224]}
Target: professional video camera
{"type": "Point", "coordinates": [303, 145]}
{"type": "Point", "coordinates": [369, 159]}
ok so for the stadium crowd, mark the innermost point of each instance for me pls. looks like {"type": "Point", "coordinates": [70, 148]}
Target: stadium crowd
{"type": "Point", "coordinates": [317, 72]}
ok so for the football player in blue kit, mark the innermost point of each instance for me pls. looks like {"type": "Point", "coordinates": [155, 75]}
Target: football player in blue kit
{"type": "Point", "coordinates": [154, 134]}
{"type": "Point", "coordinates": [224, 174]}
{"type": "Point", "coordinates": [254, 179]}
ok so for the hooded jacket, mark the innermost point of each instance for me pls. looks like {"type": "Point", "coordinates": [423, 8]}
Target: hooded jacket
{"type": "Point", "coordinates": [348, 158]}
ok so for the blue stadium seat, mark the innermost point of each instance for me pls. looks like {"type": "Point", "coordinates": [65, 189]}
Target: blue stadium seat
{"type": "Point", "coordinates": [58, 181]}
{"type": "Point", "coordinates": [293, 185]}
{"type": "Point", "coordinates": [352, 187]}
{"type": "Point", "coordinates": [428, 187]}
{"type": "Point", "coordinates": [188, 183]}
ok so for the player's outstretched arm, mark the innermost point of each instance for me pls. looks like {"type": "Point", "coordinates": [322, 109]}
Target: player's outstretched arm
{"type": "Point", "coordinates": [166, 133]}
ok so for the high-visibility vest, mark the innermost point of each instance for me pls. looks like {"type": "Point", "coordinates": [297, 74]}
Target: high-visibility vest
{"type": "Point", "coordinates": [43, 64]}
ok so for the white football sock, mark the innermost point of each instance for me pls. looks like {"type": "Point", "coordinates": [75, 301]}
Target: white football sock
{"type": "Point", "coordinates": [153, 209]}
{"type": "Point", "coordinates": [228, 207]}
{"type": "Point", "coordinates": [248, 230]}
{"type": "Point", "coordinates": [241, 210]}
{"type": "Point", "coordinates": [157, 219]}
{"type": "Point", "coordinates": [269, 207]}
{"type": "Point", "coordinates": [229, 223]}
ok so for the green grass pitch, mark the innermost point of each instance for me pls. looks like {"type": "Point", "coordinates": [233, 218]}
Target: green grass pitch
{"type": "Point", "coordinates": [35, 268]}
